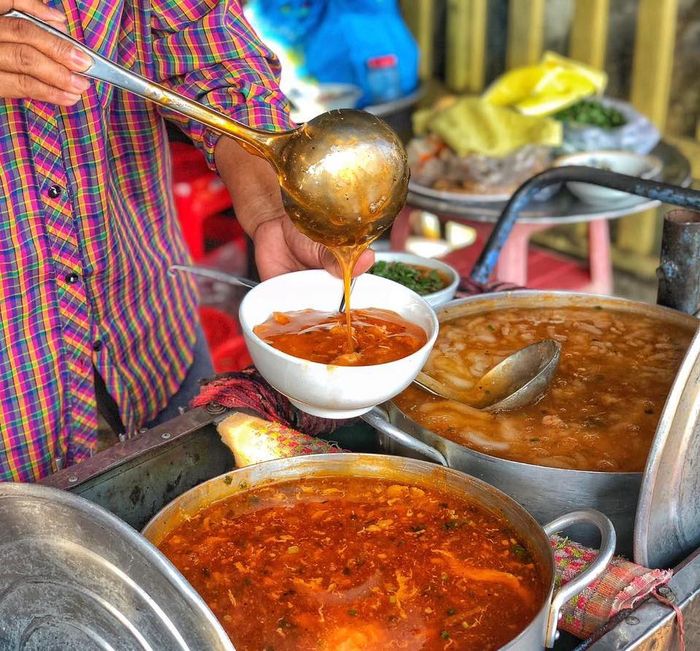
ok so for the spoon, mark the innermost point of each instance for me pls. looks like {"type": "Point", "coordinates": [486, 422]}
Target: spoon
{"type": "Point", "coordinates": [515, 382]}
{"type": "Point", "coordinates": [230, 279]}
{"type": "Point", "coordinates": [343, 175]}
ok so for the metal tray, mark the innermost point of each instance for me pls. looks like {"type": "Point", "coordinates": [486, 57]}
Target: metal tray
{"type": "Point", "coordinates": [563, 207]}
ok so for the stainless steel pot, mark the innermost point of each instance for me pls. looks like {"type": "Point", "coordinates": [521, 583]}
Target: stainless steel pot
{"type": "Point", "coordinates": [541, 631]}
{"type": "Point", "coordinates": [545, 492]}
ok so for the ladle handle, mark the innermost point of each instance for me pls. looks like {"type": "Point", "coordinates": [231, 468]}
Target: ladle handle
{"type": "Point", "coordinates": [215, 274]}
{"type": "Point", "coordinates": [256, 141]}
{"type": "Point", "coordinates": [664, 192]}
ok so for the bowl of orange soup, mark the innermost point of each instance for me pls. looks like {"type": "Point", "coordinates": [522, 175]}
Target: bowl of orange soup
{"type": "Point", "coordinates": [302, 346]}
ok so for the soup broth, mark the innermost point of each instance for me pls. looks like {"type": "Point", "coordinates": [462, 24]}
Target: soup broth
{"type": "Point", "coordinates": [358, 565]}
{"type": "Point", "coordinates": [377, 336]}
{"type": "Point", "coordinates": [599, 413]}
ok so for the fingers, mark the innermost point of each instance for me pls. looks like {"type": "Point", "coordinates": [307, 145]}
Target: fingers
{"type": "Point", "coordinates": [34, 8]}
{"type": "Point", "coordinates": [35, 64]}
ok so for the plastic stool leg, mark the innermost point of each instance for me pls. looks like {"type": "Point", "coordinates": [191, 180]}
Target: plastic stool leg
{"type": "Point", "coordinates": [600, 257]}
{"type": "Point", "coordinates": [400, 230]}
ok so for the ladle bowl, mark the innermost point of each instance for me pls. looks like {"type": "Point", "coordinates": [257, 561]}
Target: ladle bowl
{"type": "Point", "coordinates": [516, 381]}
{"type": "Point", "coordinates": [344, 176]}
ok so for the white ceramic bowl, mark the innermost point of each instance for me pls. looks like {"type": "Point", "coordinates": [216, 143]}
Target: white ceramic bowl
{"type": "Point", "coordinates": [435, 298]}
{"type": "Point", "coordinates": [323, 389]}
{"type": "Point", "coordinates": [624, 162]}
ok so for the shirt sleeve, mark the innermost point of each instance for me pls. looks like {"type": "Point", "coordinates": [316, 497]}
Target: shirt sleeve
{"type": "Point", "coordinates": [207, 50]}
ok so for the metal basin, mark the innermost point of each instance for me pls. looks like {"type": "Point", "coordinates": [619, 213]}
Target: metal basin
{"type": "Point", "coordinates": [544, 491]}
{"type": "Point", "coordinates": [542, 629]}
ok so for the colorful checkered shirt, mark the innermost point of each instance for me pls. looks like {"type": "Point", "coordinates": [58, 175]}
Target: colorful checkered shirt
{"type": "Point", "coordinates": [88, 228]}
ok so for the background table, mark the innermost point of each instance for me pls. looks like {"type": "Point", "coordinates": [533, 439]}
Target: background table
{"type": "Point", "coordinates": [562, 208]}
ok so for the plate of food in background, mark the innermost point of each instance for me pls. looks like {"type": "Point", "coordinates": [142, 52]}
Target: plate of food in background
{"type": "Point", "coordinates": [481, 149]}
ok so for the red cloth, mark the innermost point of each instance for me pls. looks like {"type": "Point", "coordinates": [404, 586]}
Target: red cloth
{"type": "Point", "coordinates": [249, 390]}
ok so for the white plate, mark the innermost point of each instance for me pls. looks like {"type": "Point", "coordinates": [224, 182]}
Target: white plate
{"type": "Point", "coordinates": [453, 195]}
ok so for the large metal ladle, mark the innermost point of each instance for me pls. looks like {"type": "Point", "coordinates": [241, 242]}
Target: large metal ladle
{"type": "Point", "coordinates": [515, 382]}
{"type": "Point", "coordinates": [343, 175]}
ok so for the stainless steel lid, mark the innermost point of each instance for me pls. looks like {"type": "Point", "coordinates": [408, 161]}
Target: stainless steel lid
{"type": "Point", "coordinates": [667, 526]}
{"type": "Point", "coordinates": [75, 577]}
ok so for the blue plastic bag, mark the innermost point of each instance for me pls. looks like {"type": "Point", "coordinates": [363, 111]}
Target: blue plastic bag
{"type": "Point", "coordinates": [354, 34]}
{"type": "Point", "coordinates": [360, 42]}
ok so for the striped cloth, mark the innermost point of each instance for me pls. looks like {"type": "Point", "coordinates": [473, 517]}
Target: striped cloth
{"type": "Point", "coordinates": [88, 229]}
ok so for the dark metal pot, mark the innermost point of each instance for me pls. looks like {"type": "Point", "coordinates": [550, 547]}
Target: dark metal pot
{"type": "Point", "coordinates": [539, 633]}
{"type": "Point", "coordinates": [545, 492]}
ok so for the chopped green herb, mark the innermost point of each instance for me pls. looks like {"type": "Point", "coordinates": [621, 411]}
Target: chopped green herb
{"type": "Point", "coordinates": [445, 635]}
{"type": "Point", "coordinates": [451, 611]}
{"type": "Point", "coordinates": [352, 612]}
{"type": "Point", "coordinates": [521, 552]}
{"type": "Point", "coordinates": [592, 113]}
{"type": "Point", "coordinates": [451, 524]}
{"type": "Point", "coordinates": [420, 280]}
{"type": "Point", "coordinates": [228, 479]}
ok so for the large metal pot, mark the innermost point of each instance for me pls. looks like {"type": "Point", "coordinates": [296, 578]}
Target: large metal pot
{"type": "Point", "coordinates": [545, 492]}
{"type": "Point", "coordinates": [541, 631]}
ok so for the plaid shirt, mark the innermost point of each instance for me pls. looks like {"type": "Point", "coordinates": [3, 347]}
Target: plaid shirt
{"type": "Point", "coordinates": [88, 229]}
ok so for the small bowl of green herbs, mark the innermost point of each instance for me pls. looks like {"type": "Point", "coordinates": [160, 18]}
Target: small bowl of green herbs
{"type": "Point", "coordinates": [432, 279]}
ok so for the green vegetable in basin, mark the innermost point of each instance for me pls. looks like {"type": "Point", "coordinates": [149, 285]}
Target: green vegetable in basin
{"type": "Point", "coordinates": [421, 280]}
{"type": "Point", "coordinates": [592, 113]}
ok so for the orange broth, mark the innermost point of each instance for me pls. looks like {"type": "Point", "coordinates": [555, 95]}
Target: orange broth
{"type": "Point", "coordinates": [602, 408]}
{"type": "Point", "coordinates": [378, 336]}
{"type": "Point", "coordinates": [358, 564]}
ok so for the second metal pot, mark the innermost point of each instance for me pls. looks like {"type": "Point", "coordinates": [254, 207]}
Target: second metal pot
{"type": "Point", "coordinates": [545, 492]}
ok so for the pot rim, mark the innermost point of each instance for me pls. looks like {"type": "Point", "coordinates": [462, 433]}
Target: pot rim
{"type": "Point", "coordinates": [424, 435]}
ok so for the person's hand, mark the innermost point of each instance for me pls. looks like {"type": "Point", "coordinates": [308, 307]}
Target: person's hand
{"type": "Point", "coordinates": [37, 65]}
{"type": "Point", "coordinates": [281, 248]}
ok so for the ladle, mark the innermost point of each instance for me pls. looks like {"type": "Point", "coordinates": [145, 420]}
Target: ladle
{"type": "Point", "coordinates": [515, 382]}
{"type": "Point", "coordinates": [343, 175]}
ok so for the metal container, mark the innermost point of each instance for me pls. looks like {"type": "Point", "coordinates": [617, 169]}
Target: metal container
{"type": "Point", "coordinates": [76, 577]}
{"type": "Point", "coordinates": [545, 492]}
{"type": "Point", "coordinates": [540, 632]}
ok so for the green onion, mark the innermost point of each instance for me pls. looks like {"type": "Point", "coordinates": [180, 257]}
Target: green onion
{"type": "Point", "coordinates": [592, 113]}
{"type": "Point", "coordinates": [421, 282]}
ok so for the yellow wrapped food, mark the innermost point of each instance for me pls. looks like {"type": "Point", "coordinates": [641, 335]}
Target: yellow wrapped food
{"type": "Point", "coordinates": [553, 84]}
{"type": "Point", "coordinates": [471, 125]}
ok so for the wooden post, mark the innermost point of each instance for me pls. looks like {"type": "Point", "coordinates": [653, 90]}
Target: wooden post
{"type": "Point", "coordinates": [466, 45]}
{"type": "Point", "coordinates": [420, 17]}
{"type": "Point", "coordinates": [525, 32]}
{"type": "Point", "coordinates": [589, 32]}
{"type": "Point", "coordinates": [651, 88]}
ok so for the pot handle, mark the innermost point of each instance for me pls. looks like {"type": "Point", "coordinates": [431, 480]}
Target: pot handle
{"type": "Point", "coordinates": [380, 421]}
{"type": "Point", "coordinates": [594, 571]}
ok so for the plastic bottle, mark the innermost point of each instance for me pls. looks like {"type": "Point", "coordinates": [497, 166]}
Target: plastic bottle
{"type": "Point", "coordinates": [383, 79]}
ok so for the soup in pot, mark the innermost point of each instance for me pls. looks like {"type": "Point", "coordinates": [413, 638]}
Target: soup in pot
{"type": "Point", "coordinates": [343, 564]}
{"type": "Point", "coordinates": [599, 413]}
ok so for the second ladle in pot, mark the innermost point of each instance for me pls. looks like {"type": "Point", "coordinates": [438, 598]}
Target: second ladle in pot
{"type": "Point", "coordinates": [343, 175]}
{"type": "Point", "coordinates": [515, 382]}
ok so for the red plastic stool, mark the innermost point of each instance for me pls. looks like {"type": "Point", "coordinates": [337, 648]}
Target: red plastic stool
{"type": "Point", "coordinates": [231, 356]}
{"type": "Point", "coordinates": [199, 195]}
{"type": "Point", "coordinates": [218, 326]}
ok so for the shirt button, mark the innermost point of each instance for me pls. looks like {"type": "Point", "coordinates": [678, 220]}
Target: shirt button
{"type": "Point", "coordinates": [55, 191]}
{"type": "Point", "coordinates": [97, 345]}
{"type": "Point", "coordinates": [71, 279]}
